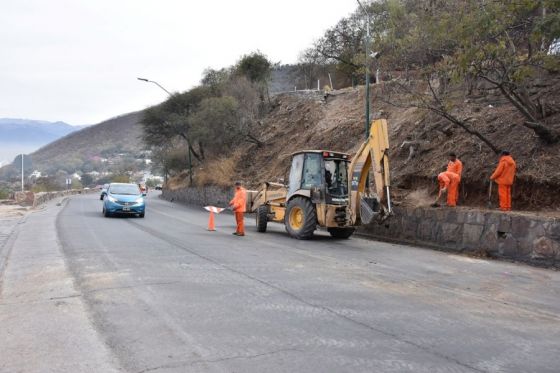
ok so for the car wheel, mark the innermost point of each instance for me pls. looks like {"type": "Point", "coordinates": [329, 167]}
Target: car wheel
{"type": "Point", "coordinates": [106, 213]}
{"type": "Point", "coordinates": [142, 214]}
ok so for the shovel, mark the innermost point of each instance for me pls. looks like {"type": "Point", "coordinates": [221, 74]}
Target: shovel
{"type": "Point", "coordinates": [436, 203]}
{"type": "Point", "coordinates": [489, 203]}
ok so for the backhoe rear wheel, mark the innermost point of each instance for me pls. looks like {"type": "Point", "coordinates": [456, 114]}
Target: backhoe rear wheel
{"type": "Point", "coordinates": [341, 232]}
{"type": "Point", "coordinates": [301, 218]}
{"type": "Point", "coordinates": [262, 218]}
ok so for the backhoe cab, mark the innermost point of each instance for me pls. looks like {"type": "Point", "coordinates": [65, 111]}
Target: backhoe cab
{"type": "Point", "coordinates": [329, 190]}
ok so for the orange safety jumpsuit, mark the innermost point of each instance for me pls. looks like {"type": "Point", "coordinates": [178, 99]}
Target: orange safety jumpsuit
{"type": "Point", "coordinates": [450, 181]}
{"type": "Point", "coordinates": [503, 176]}
{"type": "Point", "coordinates": [238, 204]}
{"type": "Point", "coordinates": [457, 168]}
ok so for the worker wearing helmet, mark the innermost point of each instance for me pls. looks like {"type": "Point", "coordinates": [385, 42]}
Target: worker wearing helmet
{"type": "Point", "coordinates": [504, 176]}
{"type": "Point", "coordinates": [448, 182]}
{"type": "Point", "coordinates": [456, 166]}
{"type": "Point", "coordinates": [238, 204]}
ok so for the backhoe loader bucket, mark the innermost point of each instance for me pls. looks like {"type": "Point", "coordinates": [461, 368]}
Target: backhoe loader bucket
{"type": "Point", "coordinates": [368, 205]}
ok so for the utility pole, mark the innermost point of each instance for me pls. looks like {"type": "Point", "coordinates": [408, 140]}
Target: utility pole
{"type": "Point", "coordinates": [22, 185]}
{"type": "Point", "coordinates": [189, 145]}
{"type": "Point", "coordinates": [367, 42]}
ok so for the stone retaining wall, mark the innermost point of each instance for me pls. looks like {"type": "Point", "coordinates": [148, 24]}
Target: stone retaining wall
{"type": "Point", "coordinates": [208, 196]}
{"type": "Point", "coordinates": [522, 237]}
{"type": "Point", "coordinates": [514, 235]}
{"type": "Point", "coordinates": [28, 198]}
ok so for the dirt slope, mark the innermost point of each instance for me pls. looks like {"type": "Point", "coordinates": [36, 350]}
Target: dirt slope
{"type": "Point", "coordinates": [304, 121]}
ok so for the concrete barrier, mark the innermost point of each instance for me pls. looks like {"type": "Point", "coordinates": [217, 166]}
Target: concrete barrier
{"type": "Point", "coordinates": [518, 236]}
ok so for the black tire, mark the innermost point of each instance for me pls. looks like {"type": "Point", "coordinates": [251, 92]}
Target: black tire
{"type": "Point", "coordinates": [106, 213]}
{"type": "Point", "coordinates": [301, 228]}
{"type": "Point", "coordinates": [262, 218]}
{"type": "Point", "coordinates": [341, 232]}
{"type": "Point", "coordinates": [142, 214]}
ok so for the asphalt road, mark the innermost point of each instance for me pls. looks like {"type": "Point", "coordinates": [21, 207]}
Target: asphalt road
{"type": "Point", "coordinates": [166, 295]}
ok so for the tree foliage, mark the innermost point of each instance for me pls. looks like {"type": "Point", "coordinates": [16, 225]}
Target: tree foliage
{"type": "Point", "coordinates": [254, 66]}
{"type": "Point", "coordinates": [501, 45]}
{"type": "Point", "coordinates": [222, 111]}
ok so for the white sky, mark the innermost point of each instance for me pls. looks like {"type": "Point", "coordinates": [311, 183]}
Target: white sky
{"type": "Point", "coordinates": [77, 60]}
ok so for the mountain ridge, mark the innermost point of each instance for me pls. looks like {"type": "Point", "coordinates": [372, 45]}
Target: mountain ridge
{"type": "Point", "coordinates": [25, 135]}
{"type": "Point", "coordinates": [118, 134]}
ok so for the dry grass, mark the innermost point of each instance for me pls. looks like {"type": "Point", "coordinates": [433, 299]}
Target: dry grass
{"type": "Point", "coordinates": [178, 181]}
{"type": "Point", "coordinates": [221, 171]}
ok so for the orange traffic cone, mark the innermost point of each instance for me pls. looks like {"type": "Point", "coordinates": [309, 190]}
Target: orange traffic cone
{"type": "Point", "coordinates": [211, 226]}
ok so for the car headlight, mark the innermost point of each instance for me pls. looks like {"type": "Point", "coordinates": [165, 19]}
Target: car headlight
{"type": "Point", "coordinates": [139, 200]}
{"type": "Point", "coordinates": [112, 199]}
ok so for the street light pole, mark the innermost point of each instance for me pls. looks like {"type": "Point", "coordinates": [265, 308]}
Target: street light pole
{"type": "Point", "coordinates": [156, 83]}
{"type": "Point", "coordinates": [367, 42]}
{"type": "Point", "coordinates": [189, 145]}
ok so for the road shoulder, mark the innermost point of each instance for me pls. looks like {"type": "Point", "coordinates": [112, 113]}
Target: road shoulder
{"type": "Point", "coordinates": [45, 324]}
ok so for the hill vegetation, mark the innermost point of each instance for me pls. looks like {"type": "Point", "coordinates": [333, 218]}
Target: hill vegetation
{"type": "Point", "coordinates": [78, 151]}
{"type": "Point", "coordinates": [471, 77]}
{"type": "Point", "coordinates": [95, 154]}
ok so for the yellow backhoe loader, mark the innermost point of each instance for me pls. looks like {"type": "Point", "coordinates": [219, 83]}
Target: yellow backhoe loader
{"type": "Point", "coordinates": [330, 190]}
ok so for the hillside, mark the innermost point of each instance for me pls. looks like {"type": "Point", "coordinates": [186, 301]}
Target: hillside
{"type": "Point", "coordinates": [304, 121]}
{"type": "Point", "coordinates": [117, 135]}
{"type": "Point", "coordinates": [24, 135]}
{"type": "Point", "coordinates": [300, 122]}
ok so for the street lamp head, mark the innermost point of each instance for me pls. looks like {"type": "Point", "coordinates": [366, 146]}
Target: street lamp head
{"type": "Point", "coordinates": [156, 83]}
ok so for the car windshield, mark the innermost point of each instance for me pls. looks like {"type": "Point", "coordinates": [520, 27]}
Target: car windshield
{"type": "Point", "coordinates": [336, 177]}
{"type": "Point", "coordinates": [124, 189]}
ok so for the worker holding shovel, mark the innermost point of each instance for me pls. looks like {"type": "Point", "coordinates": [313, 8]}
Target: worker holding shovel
{"type": "Point", "coordinates": [456, 166]}
{"type": "Point", "coordinates": [448, 182]}
{"type": "Point", "coordinates": [238, 204]}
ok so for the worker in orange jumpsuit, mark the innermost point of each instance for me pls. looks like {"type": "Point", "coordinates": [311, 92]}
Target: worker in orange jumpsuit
{"type": "Point", "coordinates": [456, 166]}
{"type": "Point", "coordinates": [238, 204]}
{"type": "Point", "coordinates": [503, 176]}
{"type": "Point", "coordinates": [448, 182]}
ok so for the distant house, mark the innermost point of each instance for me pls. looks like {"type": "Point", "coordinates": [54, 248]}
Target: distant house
{"type": "Point", "coordinates": [94, 174]}
{"type": "Point", "coordinates": [554, 48]}
{"type": "Point", "coordinates": [35, 174]}
{"type": "Point", "coordinates": [76, 176]}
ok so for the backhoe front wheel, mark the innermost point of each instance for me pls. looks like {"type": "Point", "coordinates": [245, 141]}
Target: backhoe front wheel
{"type": "Point", "coordinates": [341, 232]}
{"type": "Point", "coordinates": [301, 218]}
{"type": "Point", "coordinates": [262, 218]}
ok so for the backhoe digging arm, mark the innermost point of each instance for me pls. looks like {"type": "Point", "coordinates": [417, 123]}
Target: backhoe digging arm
{"type": "Point", "coordinates": [366, 203]}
